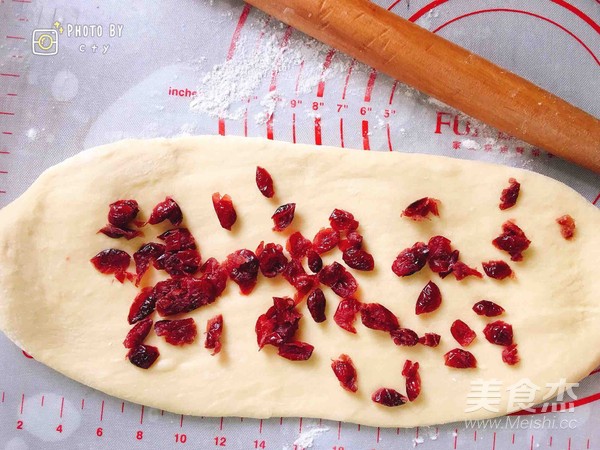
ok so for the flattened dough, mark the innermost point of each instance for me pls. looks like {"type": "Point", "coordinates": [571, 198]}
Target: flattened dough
{"type": "Point", "coordinates": [67, 315]}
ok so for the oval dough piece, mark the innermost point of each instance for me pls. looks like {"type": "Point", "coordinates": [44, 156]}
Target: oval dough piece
{"type": "Point", "coordinates": [72, 318]}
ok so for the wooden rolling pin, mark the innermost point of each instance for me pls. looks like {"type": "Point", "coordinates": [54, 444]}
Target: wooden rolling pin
{"type": "Point", "coordinates": [443, 70]}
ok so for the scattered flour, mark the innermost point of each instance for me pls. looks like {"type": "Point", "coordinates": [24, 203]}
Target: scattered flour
{"type": "Point", "coordinates": [417, 441]}
{"type": "Point", "coordinates": [470, 144]}
{"type": "Point", "coordinates": [32, 134]}
{"type": "Point", "coordinates": [305, 440]}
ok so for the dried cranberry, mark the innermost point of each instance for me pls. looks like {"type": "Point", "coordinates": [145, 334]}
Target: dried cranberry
{"type": "Point", "coordinates": [378, 317]}
{"type": "Point", "coordinates": [325, 240]}
{"type": "Point", "coordinates": [461, 271]}
{"type": "Point", "coordinates": [297, 245]}
{"type": "Point", "coordinates": [487, 308]}
{"type": "Point", "coordinates": [430, 339]}
{"type": "Point", "coordinates": [271, 259]}
{"type": "Point", "coordinates": [225, 210]}
{"type": "Point", "coordinates": [499, 333]}
{"type": "Point", "coordinates": [441, 256]}
{"type": "Point", "coordinates": [143, 305]}
{"type": "Point", "coordinates": [388, 397]}
{"type": "Point", "coordinates": [183, 263]}
{"type": "Point", "coordinates": [279, 324]}
{"type": "Point", "coordinates": [214, 328]}
{"type": "Point", "coordinates": [283, 216]}
{"type": "Point", "coordinates": [112, 261]}
{"type": "Point", "coordinates": [115, 232]}
{"type": "Point", "coordinates": [315, 263]}
{"type": "Point", "coordinates": [345, 372]}
{"type": "Point", "coordinates": [429, 299]}
{"type": "Point", "coordinates": [460, 359]}
{"type": "Point", "coordinates": [316, 305]}
{"type": "Point", "coordinates": [338, 279]}
{"type": "Point", "coordinates": [413, 380]}
{"type": "Point", "coordinates": [138, 333]}
{"type": "Point", "coordinates": [295, 274]}
{"type": "Point", "coordinates": [512, 240]}
{"type": "Point", "coordinates": [353, 240]}
{"type": "Point", "coordinates": [166, 210]}
{"type": "Point", "coordinates": [510, 194]}
{"type": "Point", "coordinates": [358, 259]}
{"type": "Point", "coordinates": [411, 260]}
{"type": "Point", "coordinates": [122, 212]}
{"type": "Point", "coordinates": [144, 256]}
{"type": "Point", "coordinates": [177, 332]}
{"type": "Point", "coordinates": [178, 239]}
{"type": "Point", "coordinates": [405, 337]}
{"type": "Point", "coordinates": [143, 356]}
{"type": "Point", "coordinates": [463, 334]}
{"type": "Point", "coordinates": [567, 226]}
{"type": "Point", "coordinates": [341, 220]}
{"type": "Point", "coordinates": [180, 295]}
{"type": "Point", "coordinates": [419, 209]}
{"type": "Point", "coordinates": [215, 274]}
{"type": "Point", "coordinates": [345, 314]}
{"type": "Point", "coordinates": [295, 351]}
{"type": "Point", "coordinates": [498, 270]}
{"type": "Point", "coordinates": [510, 355]}
{"type": "Point", "coordinates": [264, 182]}
{"type": "Point", "coordinates": [242, 267]}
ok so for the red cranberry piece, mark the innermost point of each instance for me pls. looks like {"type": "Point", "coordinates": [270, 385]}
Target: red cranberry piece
{"type": "Point", "coordinates": [430, 339]}
{"type": "Point", "coordinates": [178, 264]}
{"type": "Point", "coordinates": [279, 324]}
{"type": "Point", "coordinates": [215, 274]}
{"type": "Point", "coordinates": [144, 256]}
{"type": "Point", "coordinates": [460, 359]}
{"type": "Point", "coordinates": [462, 271]}
{"type": "Point", "coordinates": [214, 328]}
{"type": "Point", "coordinates": [510, 355]}
{"type": "Point", "coordinates": [143, 356]}
{"type": "Point", "coordinates": [242, 267]}
{"type": "Point", "coordinates": [297, 245]}
{"type": "Point", "coordinates": [497, 269]}
{"type": "Point", "coordinates": [122, 212]}
{"type": "Point", "coordinates": [345, 372]}
{"type": "Point", "coordinates": [441, 256]}
{"type": "Point", "coordinates": [405, 337]}
{"type": "Point", "coordinates": [138, 333]}
{"type": "Point", "coordinates": [512, 240]}
{"type": "Point", "coordinates": [341, 220]}
{"type": "Point", "coordinates": [499, 333]}
{"type": "Point", "coordinates": [487, 308]}
{"type": "Point", "coordinates": [177, 332]}
{"type": "Point", "coordinates": [283, 216]}
{"type": "Point", "coordinates": [358, 259]}
{"type": "Point", "coordinates": [353, 240]}
{"type": "Point", "coordinates": [463, 334]}
{"type": "Point", "coordinates": [325, 240]}
{"type": "Point", "coordinates": [345, 314]}
{"type": "Point", "coordinates": [419, 209]}
{"type": "Point", "coordinates": [264, 182]}
{"type": "Point", "coordinates": [225, 210]}
{"type": "Point", "coordinates": [567, 226]}
{"type": "Point", "coordinates": [178, 239]}
{"type": "Point", "coordinates": [378, 317]}
{"type": "Point", "coordinates": [388, 397]}
{"type": "Point", "coordinates": [295, 351]}
{"type": "Point", "coordinates": [316, 305]}
{"type": "Point", "coordinates": [143, 305]}
{"type": "Point", "coordinates": [271, 259]}
{"type": "Point", "coordinates": [413, 380]}
{"type": "Point", "coordinates": [112, 261]}
{"type": "Point", "coordinates": [411, 260]}
{"type": "Point", "coordinates": [429, 299]}
{"type": "Point", "coordinates": [315, 263]}
{"type": "Point", "coordinates": [338, 279]}
{"type": "Point", "coordinates": [181, 295]}
{"type": "Point", "coordinates": [510, 194]}
{"type": "Point", "coordinates": [295, 275]}
{"type": "Point", "coordinates": [166, 210]}
{"type": "Point", "coordinates": [115, 232]}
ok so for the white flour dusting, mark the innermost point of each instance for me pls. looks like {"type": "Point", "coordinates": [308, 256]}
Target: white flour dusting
{"type": "Point", "coordinates": [305, 440]}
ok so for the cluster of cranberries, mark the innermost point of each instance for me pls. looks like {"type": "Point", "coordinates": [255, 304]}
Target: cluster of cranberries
{"type": "Point", "coordinates": [192, 283]}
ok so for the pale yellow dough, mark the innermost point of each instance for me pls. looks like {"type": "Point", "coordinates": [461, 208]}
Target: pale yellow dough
{"type": "Point", "coordinates": [67, 315]}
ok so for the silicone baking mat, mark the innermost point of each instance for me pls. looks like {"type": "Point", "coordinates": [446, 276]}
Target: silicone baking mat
{"type": "Point", "coordinates": [74, 74]}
